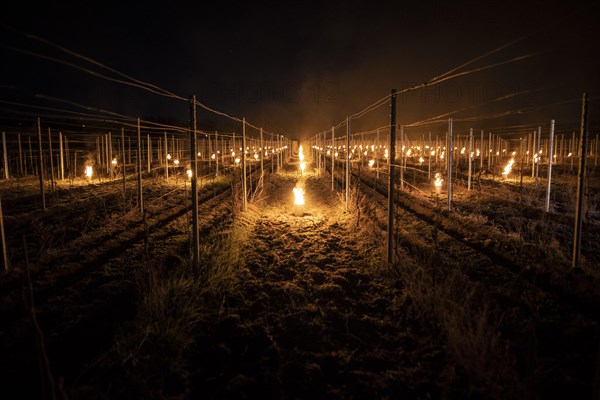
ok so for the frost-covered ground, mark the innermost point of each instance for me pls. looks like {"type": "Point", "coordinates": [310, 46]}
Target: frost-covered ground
{"type": "Point", "coordinates": [288, 306]}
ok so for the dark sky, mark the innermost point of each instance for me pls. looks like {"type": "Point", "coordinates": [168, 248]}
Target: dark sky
{"type": "Point", "coordinates": [301, 67]}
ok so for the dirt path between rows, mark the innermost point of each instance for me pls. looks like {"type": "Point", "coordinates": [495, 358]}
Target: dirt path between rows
{"type": "Point", "coordinates": [312, 317]}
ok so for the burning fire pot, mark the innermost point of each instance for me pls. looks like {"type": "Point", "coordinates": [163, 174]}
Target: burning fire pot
{"type": "Point", "coordinates": [298, 201]}
{"type": "Point", "coordinates": [437, 183]}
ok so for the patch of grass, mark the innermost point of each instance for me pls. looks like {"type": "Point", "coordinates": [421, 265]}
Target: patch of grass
{"type": "Point", "coordinates": [479, 363]}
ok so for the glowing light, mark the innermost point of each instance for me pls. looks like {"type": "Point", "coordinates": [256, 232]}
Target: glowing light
{"type": "Point", "coordinates": [421, 160]}
{"type": "Point", "coordinates": [189, 173]}
{"type": "Point", "coordinates": [199, 154]}
{"type": "Point", "coordinates": [114, 161]}
{"type": "Point", "coordinates": [570, 154]}
{"type": "Point", "coordinates": [371, 163]}
{"type": "Point", "coordinates": [437, 183]}
{"type": "Point", "coordinates": [176, 162]}
{"type": "Point", "coordinates": [300, 154]}
{"type": "Point", "coordinates": [302, 166]}
{"type": "Point", "coordinates": [213, 156]}
{"type": "Point", "coordinates": [432, 152]}
{"type": "Point", "coordinates": [386, 154]}
{"type": "Point", "coordinates": [237, 160]}
{"type": "Point", "coordinates": [168, 156]}
{"type": "Point", "coordinates": [508, 168]}
{"type": "Point", "coordinates": [336, 154]}
{"type": "Point", "coordinates": [298, 196]}
{"type": "Point", "coordinates": [255, 156]}
{"type": "Point", "coordinates": [89, 171]}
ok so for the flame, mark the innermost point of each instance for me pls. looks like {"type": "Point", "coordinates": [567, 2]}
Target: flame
{"type": "Point", "coordinates": [371, 163]}
{"type": "Point", "coordinates": [438, 179]}
{"type": "Point", "coordinates": [508, 167]}
{"type": "Point", "coordinates": [302, 166]}
{"type": "Point", "coordinates": [421, 160]}
{"type": "Point", "coordinates": [300, 154]}
{"type": "Point", "coordinates": [114, 161]}
{"type": "Point", "coordinates": [89, 171]}
{"type": "Point", "coordinates": [298, 196]}
{"type": "Point", "coordinates": [189, 173]}
{"type": "Point", "coordinates": [168, 156]}
{"type": "Point", "coordinates": [213, 156]}
{"type": "Point", "coordinates": [176, 162]}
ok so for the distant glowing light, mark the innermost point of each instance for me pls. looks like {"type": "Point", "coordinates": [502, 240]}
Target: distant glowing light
{"type": "Point", "coordinates": [168, 156]}
{"type": "Point", "coordinates": [89, 171]}
{"type": "Point", "coordinates": [421, 160]}
{"type": "Point", "coordinates": [371, 163]}
{"type": "Point", "coordinates": [114, 161]}
{"type": "Point", "coordinates": [298, 196]}
{"type": "Point", "coordinates": [508, 168]}
{"type": "Point", "coordinates": [213, 156]}
{"type": "Point", "coordinates": [176, 162]}
{"type": "Point", "coordinates": [438, 182]}
{"type": "Point", "coordinates": [189, 173]}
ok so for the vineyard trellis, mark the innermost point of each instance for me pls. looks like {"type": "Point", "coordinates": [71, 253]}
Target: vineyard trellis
{"type": "Point", "coordinates": [506, 159]}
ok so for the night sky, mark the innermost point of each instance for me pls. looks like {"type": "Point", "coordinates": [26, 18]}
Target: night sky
{"type": "Point", "coordinates": [299, 68]}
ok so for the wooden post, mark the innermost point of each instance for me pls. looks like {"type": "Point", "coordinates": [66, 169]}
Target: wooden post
{"type": "Point", "coordinates": [40, 167]}
{"type": "Point", "coordinates": [332, 158]}
{"type": "Point", "coordinates": [391, 169]}
{"type": "Point", "coordinates": [244, 187]}
{"type": "Point", "coordinates": [348, 163]}
{"type": "Point", "coordinates": [166, 156]}
{"type": "Point", "coordinates": [402, 147]}
{"type": "Point", "coordinates": [110, 154]}
{"type": "Point", "coordinates": [550, 159]}
{"type": "Point", "coordinates": [5, 264]}
{"type": "Point", "coordinates": [450, 163]}
{"type": "Point", "coordinates": [580, 180]}
{"type": "Point", "coordinates": [6, 175]}
{"type": "Point", "coordinates": [51, 159]}
{"type": "Point", "coordinates": [262, 153]}
{"type": "Point", "coordinates": [533, 154]}
{"type": "Point", "coordinates": [149, 155]}
{"type": "Point", "coordinates": [139, 167]}
{"type": "Point", "coordinates": [124, 167]}
{"type": "Point", "coordinates": [217, 153]}
{"type": "Point", "coordinates": [470, 157]}
{"type": "Point", "coordinates": [194, 161]}
{"type": "Point", "coordinates": [60, 149]}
